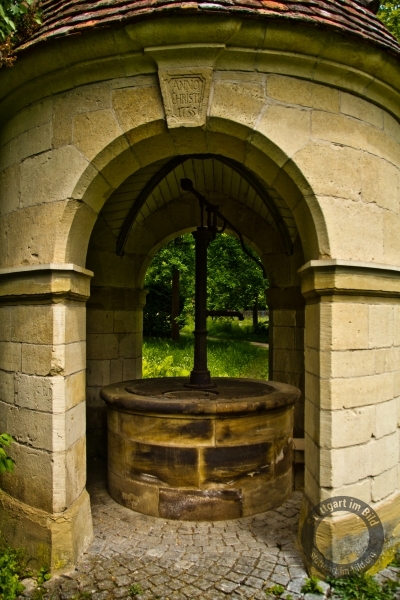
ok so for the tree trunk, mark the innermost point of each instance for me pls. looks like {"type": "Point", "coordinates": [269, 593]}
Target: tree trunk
{"type": "Point", "coordinates": [255, 314]}
{"type": "Point", "coordinates": [175, 306]}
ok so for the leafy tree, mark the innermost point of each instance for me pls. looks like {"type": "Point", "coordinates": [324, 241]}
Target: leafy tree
{"type": "Point", "coordinates": [389, 13]}
{"type": "Point", "coordinates": [234, 281]}
{"type": "Point", "coordinates": [18, 20]}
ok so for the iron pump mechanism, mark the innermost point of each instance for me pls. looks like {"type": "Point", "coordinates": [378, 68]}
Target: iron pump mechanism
{"type": "Point", "coordinates": [200, 377]}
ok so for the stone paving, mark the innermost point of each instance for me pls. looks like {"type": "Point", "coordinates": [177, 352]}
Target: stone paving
{"type": "Point", "coordinates": [177, 560]}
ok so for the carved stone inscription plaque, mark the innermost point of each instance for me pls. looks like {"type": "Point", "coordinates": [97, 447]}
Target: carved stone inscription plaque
{"type": "Point", "coordinates": [185, 96]}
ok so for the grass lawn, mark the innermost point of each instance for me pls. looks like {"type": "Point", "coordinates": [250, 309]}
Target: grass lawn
{"type": "Point", "coordinates": [226, 358]}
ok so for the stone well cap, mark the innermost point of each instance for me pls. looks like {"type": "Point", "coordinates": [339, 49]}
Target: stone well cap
{"type": "Point", "coordinates": [353, 17]}
{"type": "Point", "coordinates": [169, 396]}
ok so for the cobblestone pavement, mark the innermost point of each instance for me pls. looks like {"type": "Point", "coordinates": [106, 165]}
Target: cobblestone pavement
{"type": "Point", "coordinates": [177, 560]}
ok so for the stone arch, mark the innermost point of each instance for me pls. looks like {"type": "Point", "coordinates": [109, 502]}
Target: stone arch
{"type": "Point", "coordinates": [122, 277]}
{"type": "Point", "coordinates": [94, 186]}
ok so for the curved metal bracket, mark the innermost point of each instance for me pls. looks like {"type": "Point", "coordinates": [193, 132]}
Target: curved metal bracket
{"type": "Point", "coordinates": [175, 162]}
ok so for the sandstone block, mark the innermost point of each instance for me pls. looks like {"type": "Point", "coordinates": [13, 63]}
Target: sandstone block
{"type": "Point", "coordinates": [31, 117]}
{"type": "Point", "coordinates": [10, 356]}
{"type": "Point", "coordinates": [69, 324]}
{"type": "Point", "coordinates": [384, 453]}
{"type": "Point", "coordinates": [51, 176]}
{"type": "Point", "coordinates": [29, 427]}
{"type": "Point", "coordinates": [304, 93]}
{"type": "Point", "coordinates": [74, 357]}
{"type": "Point", "coordinates": [136, 106]}
{"type": "Point", "coordinates": [357, 234]}
{"type": "Point", "coordinates": [344, 326]}
{"type": "Point", "coordinates": [275, 123]}
{"type": "Point", "coordinates": [99, 321]}
{"type": "Point", "coordinates": [75, 465]}
{"type": "Point", "coordinates": [391, 226]}
{"type": "Point", "coordinates": [313, 326]}
{"type": "Point", "coordinates": [380, 182]}
{"type": "Point", "coordinates": [332, 170]}
{"type": "Point", "coordinates": [386, 418]}
{"type": "Point", "coordinates": [132, 368]}
{"type": "Point", "coordinates": [312, 421]}
{"type": "Point", "coordinates": [360, 489]}
{"type": "Point", "coordinates": [98, 373]}
{"type": "Point", "coordinates": [102, 346]}
{"type": "Point", "coordinates": [385, 484]}
{"type": "Point", "coordinates": [354, 363]}
{"type": "Point", "coordinates": [284, 337]}
{"type": "Point", "coordinates": [94, 131]}
{"type": "Point", "coordinates": [6, 387]}
{"type": "Point", "coordinates": [32, 324]}
{"type": "Point", "coordinates": [381, 326]}
{"type": "Point", "coordinates": [116, 370]}
{"type": "Point", "coordinates": [75, 424]}
{"type": "Point", "coordinates": [9, 189]}
{"type": "Point", "coordinates": [361, 391]}
{"type": "Point", "coordinates": [125, 321]}
{"type": "Point", "coordinates": [342, 428]}
{"type": "Point", "coordinates": [284, 318]}
{"type": "Point", "coordinates": [361, 109]}
{"type": "Point", "coordinates": [32, 481]}
{"type": "Point", "coordinates": [238, 102]}
{"type": "Point", "coordinates": [5, 323]}
{"type": "Point", "coordinates": [342, 466]}
{"type": "Point", "coordinates": [391, 126]}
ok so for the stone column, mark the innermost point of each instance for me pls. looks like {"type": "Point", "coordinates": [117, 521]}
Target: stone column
{"type": "Point", "coordinates": [44, 504]}
{"type": "Point", "coordinates": [286, 343]}
{"type": "Point", "coordinates": [352, 358]}
{"type": "Point", "coordinates": [114, 352]}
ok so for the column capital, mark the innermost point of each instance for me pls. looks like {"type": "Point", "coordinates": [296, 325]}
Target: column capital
{"type": "Point", "coordinates": [47, 281]}
{"type": "Point", "coordinates": [349, 278]}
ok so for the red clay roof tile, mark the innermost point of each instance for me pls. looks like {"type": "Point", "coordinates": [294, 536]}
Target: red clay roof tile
{"type": "Point", "coordinates": [62, 18]}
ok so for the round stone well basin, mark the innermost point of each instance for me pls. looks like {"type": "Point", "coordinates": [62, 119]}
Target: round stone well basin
{"type": "Point", "coordinates": [196, 455]}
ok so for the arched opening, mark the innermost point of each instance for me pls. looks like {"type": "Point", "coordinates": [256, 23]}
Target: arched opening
{"type": "Point", "coordinates": [145, 212]}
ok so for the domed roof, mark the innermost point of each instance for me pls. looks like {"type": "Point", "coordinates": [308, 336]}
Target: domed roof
{"type": "Point", "coordinates": [66, 17]}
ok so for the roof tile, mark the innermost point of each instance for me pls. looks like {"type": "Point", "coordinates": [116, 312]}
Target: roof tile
{"type": "Point", "coordinates": [63, 18]}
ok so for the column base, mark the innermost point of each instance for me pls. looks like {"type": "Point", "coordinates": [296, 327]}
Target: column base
{"type": "Point", "coordinates": [52, 540]}
{"type": "Point", "coordinates": [344, 538]}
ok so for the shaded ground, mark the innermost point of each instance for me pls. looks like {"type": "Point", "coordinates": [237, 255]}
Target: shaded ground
{"type": "Point", "coordinates": [177, 560]}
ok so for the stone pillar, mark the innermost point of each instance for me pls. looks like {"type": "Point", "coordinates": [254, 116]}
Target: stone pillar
{"type": "Point", "coordinates": [44, 504]}
{"type": "Point", "coordinates": [114, 352]}
{"type": "Point", "coordinates": [286, 343]}
{"type": "Point", "coordinates": [352, 358]}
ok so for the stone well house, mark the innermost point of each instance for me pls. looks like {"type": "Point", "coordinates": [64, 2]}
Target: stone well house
{"type": "Point", "coordinates": [288, 114]}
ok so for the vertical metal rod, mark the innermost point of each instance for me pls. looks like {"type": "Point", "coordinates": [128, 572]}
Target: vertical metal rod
{"type": "Point", "coordinates": [200, 375]}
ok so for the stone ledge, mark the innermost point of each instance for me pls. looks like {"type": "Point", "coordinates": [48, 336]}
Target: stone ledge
{"type": "Point", "coordinates": [47, 281]}
{"type": "Point", "coordinates": [346, 277]}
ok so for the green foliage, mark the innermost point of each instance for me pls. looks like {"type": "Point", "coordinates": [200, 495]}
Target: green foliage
{"type": "Point", "coordinates": [43, 575]}
{"type": "Point", "coordinates": [275, 590]}
{"type": "Point", "coordinates": [234, 281]}
{"type": "Point", "coordinates": [10, 572]}
{"type": "Point", "coordinates": [163, 368]}
{"type": "Point", "coordinates": [228, 328]}
{"type": "Point", "coordinates": [389, 13]}
{"type": "Point", "coordinates": [18, 20]}
{"type": "Point", "coordinates": [362, 587]}
{"type": "Point", "coordinates": [311, 586]}
{"type": "Point", "coordinates": [6, 462]}
{"type": "Point", "coordinates": [135, 589]}
{"type": "Point", "coordinates": [224, 360]}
